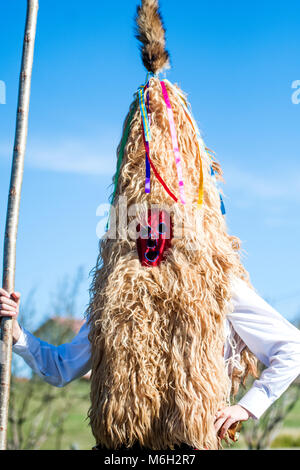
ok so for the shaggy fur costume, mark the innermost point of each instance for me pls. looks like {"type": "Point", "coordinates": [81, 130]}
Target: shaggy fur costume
{"type": "Point", "coordinates": [157, 334]}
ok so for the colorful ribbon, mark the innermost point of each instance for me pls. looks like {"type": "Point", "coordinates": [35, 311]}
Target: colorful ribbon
{"type": "Point", "coordinates": [146, 131]}
{"type": "Point", "coordinates": [122, 148]}
{"type": "Point", "coordinates": [198, 138]}
{"type": "Point", "coordinates": [144, 114]}
{"type": "Point", "coordinates": [222, 205]}
{"type": "Point", "coordinates": [148, 173]}
{"type": "Point", "coordinates": [201, 147]}
{"type": "Point", "coordinates": [156, 173]}
{"type": "Point", "coordinates": [201, 178]}
{"type": "Point", "coordinates": [146, 122]}
{"type": "Point", "coordinates": [121, 155]}
{"type": "Point", "coordinates": [148, 167]}
{"type": "Point", "coordinates": [174, 142]}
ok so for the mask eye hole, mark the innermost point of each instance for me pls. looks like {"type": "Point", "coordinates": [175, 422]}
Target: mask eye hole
{"type": "Point", "coordinates": [162, 228]}
{"type": "Point", "coordinates": [146, 232]}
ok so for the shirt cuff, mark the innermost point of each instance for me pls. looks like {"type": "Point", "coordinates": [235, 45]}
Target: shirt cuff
{"type": "Point", "coordinates": [26, 343]}
{"type": "Point", "coordinates": [256, 401]}
{"type": "Point", "coordinates": [21, 344]}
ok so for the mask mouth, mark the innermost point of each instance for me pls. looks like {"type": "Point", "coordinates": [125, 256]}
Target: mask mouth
{"type": "Point", "coordinates": [152, 256]}
{"type": "Point", "coordinates": [151, 253]}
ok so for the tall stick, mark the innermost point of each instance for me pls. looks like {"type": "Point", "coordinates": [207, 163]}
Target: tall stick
{"type": "Point", "coordinates": [12, 217]}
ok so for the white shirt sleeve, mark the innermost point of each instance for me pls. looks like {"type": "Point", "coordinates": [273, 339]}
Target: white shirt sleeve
{"type": "Point", "coordinates": [57, 365]}
{"type": "Point", "coordinates": [272, 339]}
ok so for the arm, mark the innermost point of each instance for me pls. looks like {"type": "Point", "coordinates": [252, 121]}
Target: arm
{"type": "Point", "coordinates": [272, 339]}
{"type": "Point", "coordinates": [57, 365]}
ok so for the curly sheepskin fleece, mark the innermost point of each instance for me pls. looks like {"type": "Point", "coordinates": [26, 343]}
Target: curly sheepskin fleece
{"type": "Point", "coordinates": [157, 334]}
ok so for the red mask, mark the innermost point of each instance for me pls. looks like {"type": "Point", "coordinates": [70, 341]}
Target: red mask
{"type": "Point", "coordinates": [155, 235]}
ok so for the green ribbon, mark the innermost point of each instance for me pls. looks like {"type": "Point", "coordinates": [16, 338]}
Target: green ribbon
{"type": "Point", "coordinates": [121, 152]}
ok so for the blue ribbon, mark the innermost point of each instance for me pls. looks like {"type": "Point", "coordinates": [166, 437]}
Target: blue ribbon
{"type": "Point", "coordinates": [223, 210]}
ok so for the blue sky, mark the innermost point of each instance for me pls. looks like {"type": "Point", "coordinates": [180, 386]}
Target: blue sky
{"type": "Point", "coordinates": [237, 62]}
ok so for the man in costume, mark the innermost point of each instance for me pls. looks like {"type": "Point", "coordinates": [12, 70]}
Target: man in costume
{"type": "Point", "coordinates": [173, 324]}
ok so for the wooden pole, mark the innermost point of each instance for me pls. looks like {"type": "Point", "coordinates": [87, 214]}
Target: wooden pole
{"type": "Point", "coordinates": [12, 217]}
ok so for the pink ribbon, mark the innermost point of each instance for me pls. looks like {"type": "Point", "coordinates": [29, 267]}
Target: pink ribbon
{"type": "Point", "coordinates": [174, 142]}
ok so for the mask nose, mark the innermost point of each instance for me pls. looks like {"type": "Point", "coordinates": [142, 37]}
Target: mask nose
{"type": "Point", "coordinates": [151, 243]}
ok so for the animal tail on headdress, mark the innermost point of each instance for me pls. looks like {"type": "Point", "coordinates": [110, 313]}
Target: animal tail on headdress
{"type": "Point", "coordinates": [150, 32]}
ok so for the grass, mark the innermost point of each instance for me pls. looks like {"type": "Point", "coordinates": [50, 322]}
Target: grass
{"type": "Point", "coordinates": [293, 419]}
{"type": "Point", "coordinates": [70, 403]}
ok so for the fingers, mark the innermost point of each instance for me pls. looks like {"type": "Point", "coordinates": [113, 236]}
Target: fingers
{"type": "Point", "coordinates": [227, 418]}
{"type": "Point", "coordinates": [3, 292]}
{"type": "Point", "coordinates": [219, 414]}
{"type": "Point", "coordinates": [4, 313]}
{"type": "Point", "coordinates": [8, 302]}
{"type": "Point", "coordinates": [224, 420]}
{"type": "Point", "coordinates": [220, 421]}
{"type": "Point", "coordinates": [227, 424]}
{"type": "Point", "coordinates": [8, 308]}
{"type": "Point", "coordinates": [8, 312]}
{"type": "Point", "coordinates": [16, 296]}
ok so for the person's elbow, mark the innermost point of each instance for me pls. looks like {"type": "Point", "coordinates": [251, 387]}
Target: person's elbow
{"type": "Point", "coordinates": [287, 355]}
{"type": "Point", "coordinates": [58, 381]}
{"type": "Point", "coordinates": [57, 373]}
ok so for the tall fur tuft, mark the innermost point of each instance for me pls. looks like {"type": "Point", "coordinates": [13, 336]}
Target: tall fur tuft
{"type": "Point", "coordinates": [151, 34]}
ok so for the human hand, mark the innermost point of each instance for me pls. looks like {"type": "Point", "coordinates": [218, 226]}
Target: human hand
{"type": "Point", "coordinates": [229, 416]}
{"type": "Point", "coordinates": [9, 307]}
